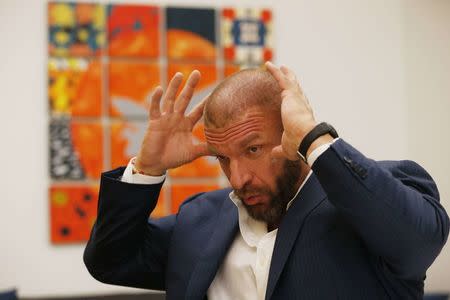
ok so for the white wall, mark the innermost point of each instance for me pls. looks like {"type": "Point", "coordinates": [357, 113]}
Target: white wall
{"type": "Point", "coordinates": [375, 69]}
{"type": "Point", "coordinates": [427, 40]}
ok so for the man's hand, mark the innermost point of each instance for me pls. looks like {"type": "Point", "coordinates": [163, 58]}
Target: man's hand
{"type": "Point", "coordinates": [296, 114]}
{"type": "Point", "coordinates": [168, 141]}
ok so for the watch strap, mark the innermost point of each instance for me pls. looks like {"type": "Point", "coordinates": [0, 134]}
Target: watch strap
{"type": "Point", "coordinates": [318, 131]}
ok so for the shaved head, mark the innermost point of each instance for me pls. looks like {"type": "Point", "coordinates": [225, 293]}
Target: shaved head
{"type": "Point", "coordinates": [239, 92]}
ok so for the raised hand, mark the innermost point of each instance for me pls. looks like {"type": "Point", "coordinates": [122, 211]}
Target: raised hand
{"type": "Point", "coordinates": [168, 141]}
{"type": "Point", "coordinates": [296, 112]}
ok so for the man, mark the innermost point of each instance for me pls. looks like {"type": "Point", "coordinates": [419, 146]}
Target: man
{"type": "Point", "coordinates": [331, 225]}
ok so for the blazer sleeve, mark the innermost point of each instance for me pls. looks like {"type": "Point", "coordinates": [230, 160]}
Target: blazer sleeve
{"type": "Point", "coordinates": [394, 207]}
{"type": "Point", "coordinates": [126, 247]}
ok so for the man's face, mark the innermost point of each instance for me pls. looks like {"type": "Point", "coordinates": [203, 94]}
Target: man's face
{"type": "Point", "coordinates": [264, 184]}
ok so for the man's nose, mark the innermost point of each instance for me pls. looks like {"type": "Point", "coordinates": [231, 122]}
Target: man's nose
{"type": "Point", "coordinates": [239, 175]}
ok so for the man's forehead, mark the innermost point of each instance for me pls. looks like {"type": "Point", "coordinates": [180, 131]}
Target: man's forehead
{"type": "Point", "coordinates": [239, 142]}
{"type": "Point", "coordinates": [235, 130]}
{"type": "Point", "coordinates": [238, 119]}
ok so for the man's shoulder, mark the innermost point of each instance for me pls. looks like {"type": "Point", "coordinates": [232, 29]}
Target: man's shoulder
{"type": "Point", "coordinates": [399, 164]}
{"type": "Point", "coordinates": [403, 168]}
{"type": "Point", "coordinates": [412, 174]}
{"type": "Point", "coordinates": [211, 199]}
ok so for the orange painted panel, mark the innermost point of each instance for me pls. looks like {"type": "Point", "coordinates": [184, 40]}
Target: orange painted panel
{"type": "Point", "coordinates": [73, 210]}
{"type": "Point", "coordinates": [126, 139]}
{"type": "Point", "coordinates": [130, 86]}
{"type": "Point", "coordinates": [187, 45]}
{"type": "Point", "coordinates": [133, 30]}
{"type": "Point", "coordinates": [182, 192]}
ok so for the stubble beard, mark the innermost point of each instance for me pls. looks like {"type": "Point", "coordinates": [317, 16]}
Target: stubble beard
{"type": "Point", "coordinates": [286, 187]}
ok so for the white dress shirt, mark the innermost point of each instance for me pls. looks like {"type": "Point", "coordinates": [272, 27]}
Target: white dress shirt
{"type": "Point", "coordinates": [245, 269]}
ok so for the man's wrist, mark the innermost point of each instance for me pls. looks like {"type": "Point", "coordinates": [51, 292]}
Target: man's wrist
{"type": "Point", "coordinates": [137, 178]}
{"type": "Point", "coordinates": [321, 134]}
{"type": "Point", "coordinates": [318, 151]}
{"type": "Point", "coordinates": [139, 169]}
{"type": "Point", "coordinates": [322, 140]}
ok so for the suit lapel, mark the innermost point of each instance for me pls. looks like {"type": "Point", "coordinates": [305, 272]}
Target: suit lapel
{"type": "Point", "coordinates": [215, 251]}
{"type": "Point", "coordinates": [309, 197]}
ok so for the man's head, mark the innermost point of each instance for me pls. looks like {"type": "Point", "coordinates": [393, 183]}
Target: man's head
{"type": "Point", "coordinates": [242, 125]}
{"type": "Point", "coordinates": [239, 92]}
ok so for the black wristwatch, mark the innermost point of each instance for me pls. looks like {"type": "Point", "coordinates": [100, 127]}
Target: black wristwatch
{"type": "Point", "coordinates": [319, 130]}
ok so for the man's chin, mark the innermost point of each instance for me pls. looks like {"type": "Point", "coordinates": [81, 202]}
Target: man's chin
{"type": "Point", "coordinates": [259, 212]}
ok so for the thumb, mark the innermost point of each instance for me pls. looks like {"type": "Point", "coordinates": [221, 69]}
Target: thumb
{"type": "Point", "coordinates": [201, 149]}
{"type": "Point", "coordinates": [277, 152]}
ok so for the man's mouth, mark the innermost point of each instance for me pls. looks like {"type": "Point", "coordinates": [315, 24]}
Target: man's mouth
{"type": "Point", "coordinates": [253, 199]}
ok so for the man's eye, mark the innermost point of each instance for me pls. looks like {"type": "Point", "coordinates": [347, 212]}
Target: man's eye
{"type": "Point", "coordinates": [254, 149]}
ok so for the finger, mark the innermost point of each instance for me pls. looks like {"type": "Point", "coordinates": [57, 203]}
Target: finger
{"type": "Point", "coordinates": [289, 73]}
{"type": "Point", "coordinates": [171, 92]}
{"type": "Point", "coordinates": [292, 77]}
{"type": "Point", "coordinates": [186, 94]}
{"type": "Point", "coordinates": [277, 152]}
{"type": "Point", "coordinates": [307, 101]}
{"type": "Point", "coordinates": [155, 111]}
{"type": "Point", "coordinates": [197, 112]}
{"type": "Point", "coordinates": [279, 76]}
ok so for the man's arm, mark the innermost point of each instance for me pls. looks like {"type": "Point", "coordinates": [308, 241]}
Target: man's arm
{"type": "Point", "coordinates": [394, 206]}
{"type": "Point", "coordinates": [126, 247]}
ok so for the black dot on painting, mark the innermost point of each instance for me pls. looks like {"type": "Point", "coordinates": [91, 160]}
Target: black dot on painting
{"type": "Point", "coordinates": [65, 231]}
{"type": "Point", "coordinates": [87, 197]}
{"type": "Point", "coordinates": [80, 212]}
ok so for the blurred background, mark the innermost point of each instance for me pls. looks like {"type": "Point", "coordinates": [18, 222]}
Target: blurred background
{"type": "Point", "coordinates": [379, 71]}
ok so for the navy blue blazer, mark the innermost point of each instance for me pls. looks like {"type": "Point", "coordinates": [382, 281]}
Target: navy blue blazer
{"type": "Point", "coordinates": [359, 229]}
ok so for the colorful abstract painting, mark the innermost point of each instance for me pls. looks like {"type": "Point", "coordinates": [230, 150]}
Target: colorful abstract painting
{"type": "Point", "coordinates": [247, 35]}
{"type": "Point", "coordinates": [75, 87]}
{"type": "Point", "coordinates": [76, 149]}
{"type": "Point", "coordinates": [191, 33]}
{"type": "Point", "coordinates": [133, 30]}
{"type": "Point", "coordinates": [130, 86]}
{"type": "Point", "coordinates": [126, 139]}
{"type": "Point", "coordinates": [180, 192]}
{"type": "Point", "coordinates": [104, 62]}
{"type": "Point", "coordinates": [76, 29]}
{"type": "Point", "coordinates": [73, 210]}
